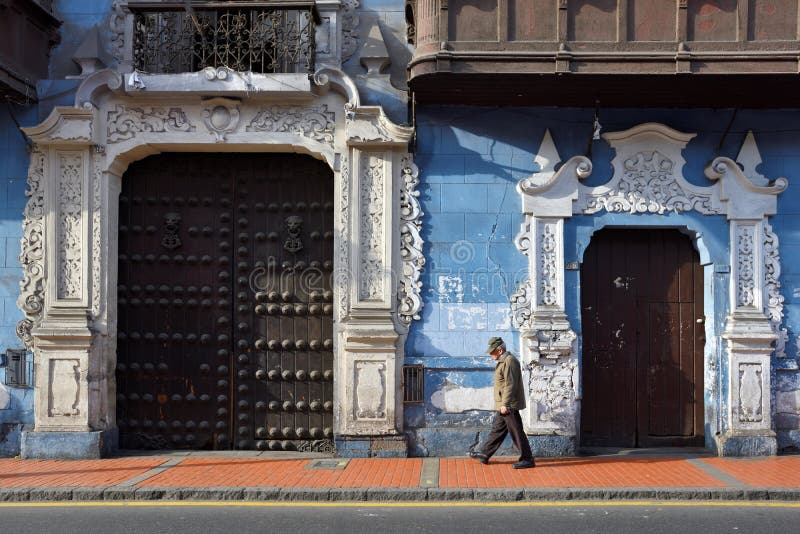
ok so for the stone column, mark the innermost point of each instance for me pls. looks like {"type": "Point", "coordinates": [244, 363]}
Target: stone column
{"type": "Point", "coordinates": [750, 339]}
{"type": "Point", "coordinates": [57, 252]}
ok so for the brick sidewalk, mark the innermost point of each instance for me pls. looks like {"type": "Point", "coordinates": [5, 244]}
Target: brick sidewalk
{"type": "Point", "coordinates": [446, 473]}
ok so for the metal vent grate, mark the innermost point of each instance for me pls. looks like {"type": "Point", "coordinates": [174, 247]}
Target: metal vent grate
{"type": "Point", "coordinates": [413, 383]}
{"type": "Point", "coordinates": [19, 368]}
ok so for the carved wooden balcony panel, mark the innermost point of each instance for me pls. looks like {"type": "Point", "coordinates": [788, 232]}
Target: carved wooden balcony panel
{"type": "Point", "coordinates": [493, 40]}
{"type": "Point", "coordinates": [263, 37]}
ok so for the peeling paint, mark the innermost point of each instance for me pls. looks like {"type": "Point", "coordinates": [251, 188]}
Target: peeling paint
{"type": "Point", "coordinates": [451, 289]}
{"type": "Point", "coordinates": [453, 399]}
{"type": "Point", "coordinates": [466, 317]}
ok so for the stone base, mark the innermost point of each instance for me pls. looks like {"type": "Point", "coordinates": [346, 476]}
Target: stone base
{"type": "Point", "coordinates": [747, 444]}
{"type": "Point", "coordinates": [459, 441]}
{"type": "Point", "coordinates": [371, 447]}
{"type": "Point", "coordinates": [69, 445]}
{"type": "Point", "coordinates": [788, 441]}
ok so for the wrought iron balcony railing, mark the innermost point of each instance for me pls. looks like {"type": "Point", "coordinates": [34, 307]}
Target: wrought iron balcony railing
{"type": "Point", "coordinates": [264, 37]}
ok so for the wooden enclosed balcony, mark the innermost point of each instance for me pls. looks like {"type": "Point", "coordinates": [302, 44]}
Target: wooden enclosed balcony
{"type": "Point", "coordinates": [28, 30]}
{"type": "Point", "coordinates": [718, 53]}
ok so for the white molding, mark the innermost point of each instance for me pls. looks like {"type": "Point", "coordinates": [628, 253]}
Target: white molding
{"type": "Point", "coordinates": [648, 180]}
{"type": "Point", "coordinates": [70, 263]}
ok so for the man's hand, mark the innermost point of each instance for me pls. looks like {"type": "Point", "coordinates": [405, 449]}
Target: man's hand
{"type": "Point", "coordinates": [503, 410]}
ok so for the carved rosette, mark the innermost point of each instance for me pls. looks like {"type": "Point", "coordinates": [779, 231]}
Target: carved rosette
{"type": "Point", "coordinates": [772, 284]}
{"type": "Point", "coordinates": [70, 245]}
{"type": "Point", "coordinates": [410, 287]}
{"type": "Point", "coordinates": [31, 298]}
{"type": "Point", "coordinates": [125, 122]}
{"type": "Point", "coordinates": [745, 279]}
{"type": "Point", "coordinates": [315, 123]}
{"type": "Point", "coordinates": [371, 227]}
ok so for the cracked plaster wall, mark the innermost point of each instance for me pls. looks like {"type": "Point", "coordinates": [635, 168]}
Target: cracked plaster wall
{"type": "Point", "coordinates": [470, 161]}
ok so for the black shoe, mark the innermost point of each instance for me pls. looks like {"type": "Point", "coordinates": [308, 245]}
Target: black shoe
{"type": "Point", "coordinates": [482, 458]}
{"type": "Point", "coordinates": [524, 464]}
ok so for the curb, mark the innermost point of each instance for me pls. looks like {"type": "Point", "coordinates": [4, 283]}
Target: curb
{"type": "Point", "coordinates": [441, 495]}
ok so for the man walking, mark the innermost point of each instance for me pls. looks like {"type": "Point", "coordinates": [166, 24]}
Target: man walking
{"type": "Point", "coordinates": [509, 399]}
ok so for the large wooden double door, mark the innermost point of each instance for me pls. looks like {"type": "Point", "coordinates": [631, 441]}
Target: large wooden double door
{"type": "Point", "coordinates": [225, 304]}
{"type": "Point", "coordinates": [643, 338]}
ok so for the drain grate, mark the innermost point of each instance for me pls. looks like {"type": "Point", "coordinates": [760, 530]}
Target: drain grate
{"type": "Point", "coordinates": [329, 465]}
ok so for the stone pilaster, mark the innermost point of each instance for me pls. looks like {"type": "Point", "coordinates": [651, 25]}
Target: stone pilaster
{"type": "Point", "coordinates": [750, 338]}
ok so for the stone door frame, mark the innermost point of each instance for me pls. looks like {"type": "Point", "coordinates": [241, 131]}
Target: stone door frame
{"type": "Point", "coordinates": [69, 253]}
{"type": "Point", "coordinates": [651, 154]}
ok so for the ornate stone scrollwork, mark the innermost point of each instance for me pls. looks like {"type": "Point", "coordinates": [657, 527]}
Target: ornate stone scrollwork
{"type": "Point", "coordinates": [521, 302]}
{"type": "Point", "coordinates": [772, 282]}
{"type": "Point", "coordinates": [343, 277]}
{"type": "Point", "coordinates": [124, 122]}
{"type": "Point", "coordinates": [371, 231]}
{"type": "Point", "coordinates": [410, 287]}
{"type": "Point", "coordinates": [350, 23]}
{"type": "Point", "coordinates": [70, 218]}
{"type": "Point", "coordinates": [316, 123]}
{"type": "Point", "coordinates": [31, 298]}
{"type": "Point", "coordinates": [648, 184]}
{"type": "Point", "coordinates": [745, 257]}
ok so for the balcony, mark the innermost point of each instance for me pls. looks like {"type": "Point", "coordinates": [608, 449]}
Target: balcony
{"type": "Point", "coordinates": [29, 30]}
{"type": "Point", "coordinates": [261, 37]}
{"type": "Point", "coordinates": [720, 53]}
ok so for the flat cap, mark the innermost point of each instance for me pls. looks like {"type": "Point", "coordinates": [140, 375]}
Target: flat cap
{"type": "Point", "coordinates": [494, 343]}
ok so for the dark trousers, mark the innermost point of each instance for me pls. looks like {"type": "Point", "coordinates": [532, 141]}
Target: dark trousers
{"type": "Point", "coordinates": [511, 423]}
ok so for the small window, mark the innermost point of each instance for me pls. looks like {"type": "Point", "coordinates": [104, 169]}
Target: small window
{"type": "Point", "coordinates": [18, 364]}
{"type": "Point", "coordinates": [413, 383]}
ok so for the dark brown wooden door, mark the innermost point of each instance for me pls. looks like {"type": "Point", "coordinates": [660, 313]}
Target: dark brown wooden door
{"type": "Point", "coordinates": [225, 311]}
{"type": "Point", "coordinates": [643, 338]}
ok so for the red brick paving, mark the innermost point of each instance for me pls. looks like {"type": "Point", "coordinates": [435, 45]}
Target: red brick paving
{"type": "Point", "coordinates": [574, 473]}
{"type": "Point", "coordinates": [777, 472]}
{"type": "Point", "coordinates": [783, 472]}
{"type": "Point", "coordinates": [360, 473]}
{"type": "Point", "coordinates": [50, 473]}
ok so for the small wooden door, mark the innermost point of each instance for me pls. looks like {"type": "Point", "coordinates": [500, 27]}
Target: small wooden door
{"type": "Point", "coordinates": [643, 339]}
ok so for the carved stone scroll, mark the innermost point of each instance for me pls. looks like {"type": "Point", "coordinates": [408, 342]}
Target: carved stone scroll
{"type": "Point", "coordinates": [410, 287]}
{"type": "Point", "coordinates": [31, 298]}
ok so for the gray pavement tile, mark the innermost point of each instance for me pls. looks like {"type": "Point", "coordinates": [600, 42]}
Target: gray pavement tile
{"type": "Point", "coordinates": [498, 494]}
{"type": "Point", "coordinates": [261, 494]}
{"type": "Point", "coordinates": [304, 494]}
{"type": "Point", "coordinates": [88, 493]}
{"type": "Point", "coordinates": [119, 494]}
{"type": "Point", "coordinates": [451, 494]}
{"type": "Point", "coordinates": [349, 494]}
{"type": "Point", "coordinates": [396, 494]}
{"type": "Point", "coordinates": [15, 494]}
{"type": "Point", "coordinates": [212, 494]}
{"type": "Point", "coordinates": [51, 494]}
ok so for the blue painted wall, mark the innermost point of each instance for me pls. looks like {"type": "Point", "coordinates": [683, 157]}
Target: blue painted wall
{"type": "Point", "coordinates": [470, 160]}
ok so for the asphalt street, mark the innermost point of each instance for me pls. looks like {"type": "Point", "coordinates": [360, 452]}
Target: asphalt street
{"type": "Point", "coordinates": [571, 517]}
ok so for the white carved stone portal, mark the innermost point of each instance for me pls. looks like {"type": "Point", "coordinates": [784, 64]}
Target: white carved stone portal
{"type": "Point", "coordinates": [648, 180]}
{"type": "Point", "coordinates": [69, 253]}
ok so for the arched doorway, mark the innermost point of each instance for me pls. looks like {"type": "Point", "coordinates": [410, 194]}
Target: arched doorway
{"type": "Point", "coordinates": [225, 303]}
{"type": "Point", "coordinates": [643, 339]}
